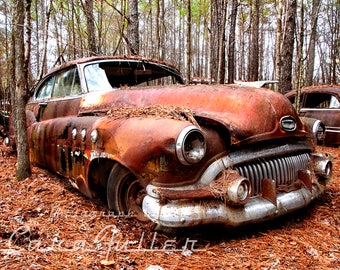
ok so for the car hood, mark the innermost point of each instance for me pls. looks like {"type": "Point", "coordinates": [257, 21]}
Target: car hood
{"type": "Point", "coordinates": [248, 113]}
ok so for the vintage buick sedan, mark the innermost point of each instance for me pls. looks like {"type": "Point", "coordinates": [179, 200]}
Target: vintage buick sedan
{"type": "Point", "coordinates": [130, 131]}
{"type": "Point", "coordinates": [322, 103]}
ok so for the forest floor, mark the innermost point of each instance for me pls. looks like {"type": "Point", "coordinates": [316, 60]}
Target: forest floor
{"type": "Point", "coordinates": [46, 224]}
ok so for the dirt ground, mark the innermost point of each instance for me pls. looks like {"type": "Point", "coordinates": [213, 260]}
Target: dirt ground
{"type": "Point", "coordinates": [46, 224]}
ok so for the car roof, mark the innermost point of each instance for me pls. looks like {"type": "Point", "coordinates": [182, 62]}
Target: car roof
{"type": "Point", "coordinates": [113, 57]}
{"type": "Point", "coordinates": [334, 89]}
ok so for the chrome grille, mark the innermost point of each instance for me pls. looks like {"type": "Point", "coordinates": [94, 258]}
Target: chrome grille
{"type": "Point", "coordinates": [284, 170]}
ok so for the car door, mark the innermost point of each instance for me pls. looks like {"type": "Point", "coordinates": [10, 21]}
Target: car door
{"type": "Point", "coordinates": [325, 107]}
{"type": "Point", "coordinates": [55, 100]}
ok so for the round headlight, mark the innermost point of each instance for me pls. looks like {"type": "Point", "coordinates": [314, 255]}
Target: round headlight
{"type": "Point", "coordinates": [190, 145]}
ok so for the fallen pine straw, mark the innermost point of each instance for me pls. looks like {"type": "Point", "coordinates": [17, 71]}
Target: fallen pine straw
{"type": "Point", "coordinates": [156, 111]}
{"type": "Point", "coordinates": [45, 224]}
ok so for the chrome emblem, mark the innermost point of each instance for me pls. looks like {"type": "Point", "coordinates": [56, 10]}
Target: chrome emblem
{"type": "Point", "coordinates": [288, 123]}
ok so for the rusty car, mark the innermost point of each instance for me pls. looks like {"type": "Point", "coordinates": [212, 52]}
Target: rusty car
{"type": "Point", "coordinates": [130, 131]}
{"type": "Point", "coordinates": [323, 103]}
{"type": "Point", "coordinates": [5, 108]}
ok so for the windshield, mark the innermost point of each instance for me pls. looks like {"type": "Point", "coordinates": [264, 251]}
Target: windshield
{"type": "Point", "coordinates": [107, 75]}
{"type": "Point", "coordinates": [96, 78]}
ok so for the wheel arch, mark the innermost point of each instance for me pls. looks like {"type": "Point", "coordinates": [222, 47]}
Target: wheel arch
{"type": "Point", "coordinates": [98, 174]}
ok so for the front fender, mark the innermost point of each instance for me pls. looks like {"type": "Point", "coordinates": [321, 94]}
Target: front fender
{"type": "Point", "coordinates": [146, 146]}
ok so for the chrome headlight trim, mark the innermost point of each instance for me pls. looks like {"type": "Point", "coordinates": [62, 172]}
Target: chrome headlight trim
{"type": "Point", "coordinates": [83, 134]}
{"type": "Point", "coordinates": [74, 133]}
{"type": "Point", "coordinates": [7, 141]}
{"type": "Point", "coordinates": [239, 191]}
{"type": "Point", "coordinates": [319, 131]}
{"type": "Point", "coordinates": [94, 136]}
{"type": "Point", "coordinates": [190, 145]}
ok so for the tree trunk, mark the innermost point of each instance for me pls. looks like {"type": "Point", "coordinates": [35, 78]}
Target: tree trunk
{"type": "Point", "coordinates": [23, 169]}
{"type": "Point", "coordinates": [188, 45]}
{"type": "Point", "coordinates": [43, 65]}
{"type": "Point", "coordinates": [133, 27]}
{"type": "Point", "coordinates": [91, 33]}
{"type": "Point", "coordinates": [232, 40]}
{"type": "Point", "coordinates": [311, 49]}
{"type": "Point", "coordinates": [278, 63]}
{"type": "Point", "coordinates": [215, 37]}
{"type": "Point", "coordinates": [253, 74]}
{"type": "Point", "coordinates": [285, 83]}
{"type": "Point", "coordinates": [299, 69]}
{"type": "Point", "coordinates": [221, 48]}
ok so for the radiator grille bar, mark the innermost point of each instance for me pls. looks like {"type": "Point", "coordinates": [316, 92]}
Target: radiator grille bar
{"type": "Point", "coordinates": [284, 170]}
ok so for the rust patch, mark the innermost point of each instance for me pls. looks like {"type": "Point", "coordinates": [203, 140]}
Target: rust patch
{"type": "Point", "coordinates": [156, 111]}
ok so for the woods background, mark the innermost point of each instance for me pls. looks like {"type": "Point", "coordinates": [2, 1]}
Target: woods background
{"type": "Point", "coordinates": [294, 42]}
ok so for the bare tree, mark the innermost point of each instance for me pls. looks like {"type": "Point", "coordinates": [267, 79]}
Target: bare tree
{"type": "Point", "coordinates": [285, 82]}
{"type": "Point", "coordinates": [133, 27]}
{"type": "Point", "coordinates": [23, 168]}
{"type": "Point", "coordinates": [232, 40]}
{"type": "Point", "coordinates": [278, 41]}
{"type": "Point", "coordinates": [217, 38]}
{"type": "Point", "coordinates": [91, 34]}
{"type": "Point", "coordinates": [299, 68]}
{"type": "Point", "coordinates": [188, 44]}
{"type": "Point", "coordinates": [253, 68]}
{"type": "Point", "coordinates": [43, 67]}
{"type": "Point", "coordinates": [311, 49]}
{"type": "Point", "coordinates": [221, 48]}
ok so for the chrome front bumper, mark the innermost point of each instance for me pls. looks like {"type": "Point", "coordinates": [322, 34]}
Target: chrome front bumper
{"type": "Point", "coordinates": [183, 206]}
{"type": "Point", "coordinates": [190, 213]}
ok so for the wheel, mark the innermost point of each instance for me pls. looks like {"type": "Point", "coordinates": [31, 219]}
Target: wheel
{"type": "Point", "coordinates": [125, 193]}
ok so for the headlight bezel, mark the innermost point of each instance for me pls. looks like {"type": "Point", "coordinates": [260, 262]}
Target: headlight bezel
{"type": "Point", "coordinates": [190, 145]}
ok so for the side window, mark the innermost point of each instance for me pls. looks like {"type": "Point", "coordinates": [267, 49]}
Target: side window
{"type": "Point", "coordinates": [76, 87]}
{"type": "Point", "coordinates": [67, 83]}
{"type": "Point", "coordinates": [45, 89]}
{"type": "Point", "coordinates": [318, 101]}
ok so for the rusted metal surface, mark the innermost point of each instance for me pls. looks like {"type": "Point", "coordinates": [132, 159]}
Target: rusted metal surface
{"type": "Point", "coordinates": [269, 190]}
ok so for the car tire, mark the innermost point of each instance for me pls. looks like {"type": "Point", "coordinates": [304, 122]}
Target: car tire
{"type": "Point", "coordinates": [125, 193]}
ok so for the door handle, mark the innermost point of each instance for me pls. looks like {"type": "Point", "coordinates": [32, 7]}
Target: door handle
{"type": "Point", "coordinates": [43, 104]}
